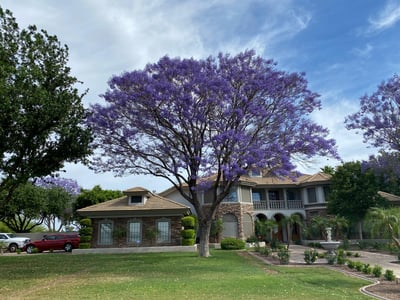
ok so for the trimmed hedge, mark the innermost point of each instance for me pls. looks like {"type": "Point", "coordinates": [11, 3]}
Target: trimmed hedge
{"type": "Point", "coordinates": [188, 242]}
{"type": "Point", "coordinates": [232, 244]}
{"type": "Point", "coordinates": [85, 222]}
{"type": "Point", "coordinates": [188, 233]}
{"type": "Point", "coordinates": [86, 231]}
{"type": "Point", "coordinates": [84, 245]}
{"type": "Point", "coordinates": [189, 222]}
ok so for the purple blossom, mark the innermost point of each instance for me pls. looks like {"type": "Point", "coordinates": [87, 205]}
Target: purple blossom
{"type": "Point", "coordinates": [69, 185]}
{"type": "Point", "coordinates": [379, 116]}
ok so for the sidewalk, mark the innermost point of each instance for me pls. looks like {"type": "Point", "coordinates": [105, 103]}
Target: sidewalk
{"type": "Point", "coordinates": [387, 262]}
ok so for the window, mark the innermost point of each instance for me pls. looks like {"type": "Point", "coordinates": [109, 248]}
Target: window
{"type": "Point", "coordinates": [257, 195]}
{"type": "Point", "coordinates": [326, 193]}
{"type": "Point", "coordinates": [135, 199]}
{"type": "Point", "coordinates": [312, 196]}
{"type": "Point", "coordinates": [273, 195]}
{"type": "Point", "coordinates": [135, 232]}
{"type": "Point", "coordinates": [164, 232]}
{"type": "Point", "coordinates": [292, 195]}
{"type": "Point", "coordinates": [255, 173]}
{"type": "Point", "coordinates": [105, 233]}
{"type": "Point", "coordinates": [232, 196]}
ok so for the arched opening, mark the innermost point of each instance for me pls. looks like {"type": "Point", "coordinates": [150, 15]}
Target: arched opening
{"type": "Point", "coordinates": [230, 226]}
{"type": "Point", "coordinates": [248, 227]}
{"type": "Point", "coordinates": [281, 233]}
{"type": "Point", "coordinates": [296, 229]}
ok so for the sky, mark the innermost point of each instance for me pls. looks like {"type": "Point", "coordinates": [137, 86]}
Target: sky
{"type": "Point", "coordinates": [345, 48]}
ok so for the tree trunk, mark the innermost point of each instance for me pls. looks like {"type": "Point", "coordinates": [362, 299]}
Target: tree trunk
{"type": "Point", "coordinates": [360, 235]}
{"type": "Point", "coordinates": [204, 235]}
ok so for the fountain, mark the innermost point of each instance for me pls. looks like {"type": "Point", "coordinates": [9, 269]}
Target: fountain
{"type": "Point", "coordinates": [330, 245]}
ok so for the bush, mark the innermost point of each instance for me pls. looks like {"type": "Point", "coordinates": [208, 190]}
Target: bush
{"type": "Point", "coordinates": [232, 244]}
{"type": "Point", "coordinates": [85, 222]}
{"type": "Point", "coordinates": [267, 251]}
{"type": "Point", "coordinates": [377, 271]}
{"type": "Point", "coordinates": [84, 245]}
{"type": "Point", "coordinates": [189, 222]}
{"type": "Point", "coordinates": [351, 264]}
{"type": "Point", "coordinates": [86, 231]}
{"type": "Point", "coordinates": [389, 275]}
{"type": "Point", "coordinates": [188, 233]}
{"type": "Point", "coordinates": [367, 269]}
{"type": "Point", "coordinates": [284, 255]}
{"type": "Point", "coordinates": [358, 265]}
{"type": "Point", "coordinates": [188, 242]}
{"type": "Point", "coordinates": [340, 259]}
{"type": "Point", "coordinates": [310, 256]}
{"type": "Point", "coordinates": [85, 239]}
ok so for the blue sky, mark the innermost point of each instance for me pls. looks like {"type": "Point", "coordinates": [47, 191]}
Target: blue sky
{"type": "Point", "coordinates": [346, 48]}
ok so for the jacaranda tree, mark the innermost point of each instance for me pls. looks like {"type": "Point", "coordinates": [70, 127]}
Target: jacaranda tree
{"type": "Point", "coordinates": [41, 114]}
{"type": "Point", "coordinates": [379, 116]}
{"type": "Point", "coordinates": [186, 119]}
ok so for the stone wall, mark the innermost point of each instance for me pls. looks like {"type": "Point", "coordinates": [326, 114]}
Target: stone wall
{"type": "Point", "coordinates": [238, 210]}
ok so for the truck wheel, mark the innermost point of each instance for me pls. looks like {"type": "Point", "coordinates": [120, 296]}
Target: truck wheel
{"type": "Point", "coordinates": [12, 247]}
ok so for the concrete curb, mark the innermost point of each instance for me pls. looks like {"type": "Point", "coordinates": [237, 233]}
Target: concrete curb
{"type": "Point", "coordinates": [136, 250]}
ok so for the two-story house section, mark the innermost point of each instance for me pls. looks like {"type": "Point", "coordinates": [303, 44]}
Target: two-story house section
{"type": "Point", "coordinates": [265, 197]}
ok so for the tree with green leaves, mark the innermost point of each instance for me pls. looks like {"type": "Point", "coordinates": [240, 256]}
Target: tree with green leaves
{"type": "Point", "coordinates": [94, 196]}
{"type": "Point", "coordinates": [353, 193]}
{"type": "Point", "coordinates": [385, 223]}
{"type": "Point", "coordinates": [41, 111]}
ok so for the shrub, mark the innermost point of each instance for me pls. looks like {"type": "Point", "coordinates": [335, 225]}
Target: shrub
{"type": "Point", "coordinates": [84, 245]}
{"type": "Point", "coordinates": [377, 271]}
{"type": "Point", "coordinates": [284, 255]}
{"type": "Point", "coordinates": [358, 265]}
{"type": "Point", "coordinates": [389, 275]}
{"type": "Point", "coordinates": [232, 244]}
{"type": "Point", "coordinates": [86, 231]}
{"type": "Point", "coordinates": [188, 242]}
{"type": "Point", "coordinates": [340, 259]}
{"type": "Point", "coordinates": [85, 239]}
{"type": "Point", "coordinates": [349, 253]}
{"type": "Point", "coordinates": [351, 264]}
{"type": "Point", "coordinates": [188, 233]}
{"type": "Point", "coordinates": [310, 256]}
{"type": "Point", "coordinates": [85, 222]}
{"type": "Point", "coordinates": [267, 251]}
{"type": "Point", "coordinates": [189, 222]}
{"type": "Point", "coordinates": [367, 269]}
{"type": "Point", "coordinates": [357, 254]}
{"type": "Point", "coordinates": [252, 239]}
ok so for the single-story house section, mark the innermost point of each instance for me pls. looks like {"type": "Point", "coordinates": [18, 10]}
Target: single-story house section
{"type": "Point", "coordinates": [139, 218]}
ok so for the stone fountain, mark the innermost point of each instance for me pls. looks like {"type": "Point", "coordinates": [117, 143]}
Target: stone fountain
{"type": "Point", "coordinates": [330, 245]}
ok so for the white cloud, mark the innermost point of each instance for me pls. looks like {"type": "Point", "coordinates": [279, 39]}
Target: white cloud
{"type": "Point", "coordinates": [364, 52]}
{"type": "Point", "coordinates": [386, 18]}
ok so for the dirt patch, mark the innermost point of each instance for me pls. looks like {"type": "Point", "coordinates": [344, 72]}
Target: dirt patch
{"type": "Point", "coordinates": [387, 289]}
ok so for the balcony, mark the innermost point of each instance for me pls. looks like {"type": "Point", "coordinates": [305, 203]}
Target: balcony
{"type": "Point", "coordinates": [278, 205]}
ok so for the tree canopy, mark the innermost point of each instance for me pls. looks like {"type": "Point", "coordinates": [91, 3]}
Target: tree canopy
{"type": "Point", "coordinates": [186, 119]}
{"type": "Point", "coordinates": [46, 201]}
{"type": "Point", "coordinates": [379, 116]}
{"type": "Point", "coordinates": [353, 192]}
{"type": "Point", "coordinates": [41, 114]}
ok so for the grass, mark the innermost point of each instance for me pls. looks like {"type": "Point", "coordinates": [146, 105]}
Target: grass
{"type": "Point", "coordinates": [224, 275]}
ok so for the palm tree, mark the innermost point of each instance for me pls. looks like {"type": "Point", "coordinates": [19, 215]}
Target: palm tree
{"type": "Point", "coordinates": [339, 224]}
{"type": "Point", "coordinates": [265, 228]}
{"type": "Point", "coordinates": [385, 222]}
{"type": "Point", "coordinates": [320, 223]}
{"type": "Point", "coordinates": [290, 222]}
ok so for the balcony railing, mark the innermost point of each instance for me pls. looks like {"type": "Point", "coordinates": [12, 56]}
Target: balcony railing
{"type": "Point", "coordinates": [278, 204]}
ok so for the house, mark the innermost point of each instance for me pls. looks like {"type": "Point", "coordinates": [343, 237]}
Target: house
{"type": "Point", "coordinates": [260, 196]}
{"type": "Point", "coordinates": [139, 218]}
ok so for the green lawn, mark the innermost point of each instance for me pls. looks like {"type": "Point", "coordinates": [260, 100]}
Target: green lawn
{"type": "Point", "coordinates": [225, 275]}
